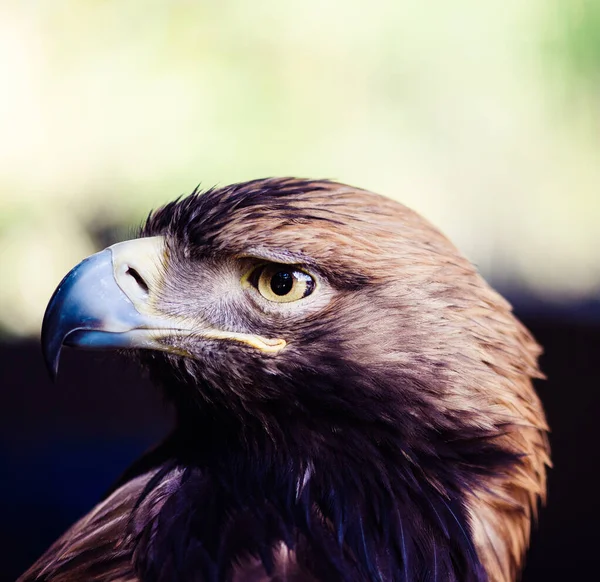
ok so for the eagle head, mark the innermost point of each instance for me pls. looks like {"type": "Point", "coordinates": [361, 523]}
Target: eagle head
{"type": "Point", "coordinates": [347, 388]}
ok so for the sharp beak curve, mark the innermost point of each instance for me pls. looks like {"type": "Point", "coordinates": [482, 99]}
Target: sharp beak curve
{"type": "Point", "coordinates": [108, 301]}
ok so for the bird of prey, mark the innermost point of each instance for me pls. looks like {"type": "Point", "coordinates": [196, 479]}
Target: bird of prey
{"type": "Point", "coordinates": [354, 402]}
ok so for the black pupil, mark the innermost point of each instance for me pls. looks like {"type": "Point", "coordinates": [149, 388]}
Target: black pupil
{"type": "Point", "coordinates": [282, 283]}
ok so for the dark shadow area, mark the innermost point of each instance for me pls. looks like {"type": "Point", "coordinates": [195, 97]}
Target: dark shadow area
{"type": "Point", "coordinates": [62, 445]}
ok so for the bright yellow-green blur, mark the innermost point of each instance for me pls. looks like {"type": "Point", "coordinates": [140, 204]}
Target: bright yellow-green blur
{"type": "Point", "coordinates": [483, 116]}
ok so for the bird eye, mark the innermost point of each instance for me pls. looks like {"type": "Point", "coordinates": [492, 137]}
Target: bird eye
{"type": "Point", "coordinates": [282, 283]}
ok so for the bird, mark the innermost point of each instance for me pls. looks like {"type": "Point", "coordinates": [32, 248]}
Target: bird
{"type": "Point", "coordinates": [353, 401]}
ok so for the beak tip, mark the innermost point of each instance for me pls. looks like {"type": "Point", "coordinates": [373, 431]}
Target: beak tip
{"type": "Point", "coordinates": [52, 373]}
{"type": "Point", "coordinates": [52, 370]}
{"type": "Point", "coordinates": [51, 361]}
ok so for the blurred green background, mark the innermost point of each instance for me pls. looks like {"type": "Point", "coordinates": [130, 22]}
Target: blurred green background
{"type": "Point", "coordinates": [483, 116]}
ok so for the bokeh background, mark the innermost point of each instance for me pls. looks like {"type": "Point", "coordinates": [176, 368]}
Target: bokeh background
{"type": "Point", "coordinates": [483, 116]}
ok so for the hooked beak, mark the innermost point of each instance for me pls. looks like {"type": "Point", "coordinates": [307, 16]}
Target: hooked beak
{"type": "Point", "coordinates": [103, 301]}
{"type": "Point", "coordinates": [109, 301]}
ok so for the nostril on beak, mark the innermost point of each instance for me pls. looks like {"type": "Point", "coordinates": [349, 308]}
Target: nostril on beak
{"type": "Point", "coordinates": [138, 279]}
{"type": "Point", "coordinates": [137, 269]}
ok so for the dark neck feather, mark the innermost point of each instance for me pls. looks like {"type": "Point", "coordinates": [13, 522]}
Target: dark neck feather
{"type": "Point", "coordinates": [384, 520]}
{"type": "Point", "coordinates": [372, 499]}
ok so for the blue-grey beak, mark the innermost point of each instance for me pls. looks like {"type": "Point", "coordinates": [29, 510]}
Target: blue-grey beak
{"type": "Point", "coordinates": [110, 300]}
{"type": "Point", "coordinates": [106, 301]}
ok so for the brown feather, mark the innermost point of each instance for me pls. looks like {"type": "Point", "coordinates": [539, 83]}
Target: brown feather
{"type": "Point", "coordinates": [457, 316]}
{"type": "Point", "coordinates": [454, 325]}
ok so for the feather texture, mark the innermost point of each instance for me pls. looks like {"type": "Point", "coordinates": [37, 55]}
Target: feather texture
{"type": "Point", "coordinates": [397, 436]}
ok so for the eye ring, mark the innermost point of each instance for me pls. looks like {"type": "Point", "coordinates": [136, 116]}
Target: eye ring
{"type": "Point", "coordinates": [281, 283]}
